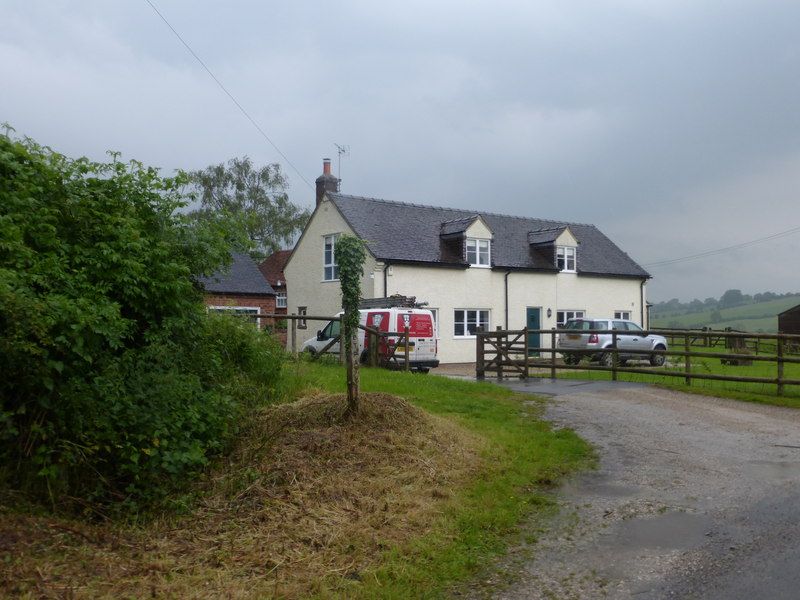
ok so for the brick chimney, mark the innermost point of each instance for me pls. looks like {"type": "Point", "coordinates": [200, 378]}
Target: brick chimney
{"type": "Point", "coordinates": [326, 182]}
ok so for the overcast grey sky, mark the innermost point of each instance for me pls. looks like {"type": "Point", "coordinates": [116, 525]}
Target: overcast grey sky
{"type": "Point", "coordinates": [672, 125]}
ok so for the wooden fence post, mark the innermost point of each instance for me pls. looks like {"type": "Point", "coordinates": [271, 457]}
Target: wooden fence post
{"type": "Point", "coordinates": [688, 360]}
{"type": "Point", "coordinates": [553, 353]}
{"type": "Point", "coordinates": [526, 354]}
{"type": "Point", "coordinates": [294, 336]}
{"type": "Point", "coordinates": [341, 342]}
{"type": "Point", "coordinates": [614, 355]}
{"type": "Point", "coordinates": [780, 365]}
{"type": "Point", "coordinates": [374, 340]}
{"type": "Point", "coordinates": [500, 364]}
{"type": "Point", "coordinates": [480, 373]}
{"type": "Point", "coordinates": [408, 343]}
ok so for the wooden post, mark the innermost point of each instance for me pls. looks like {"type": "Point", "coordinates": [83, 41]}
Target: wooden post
{"type": "Point", "coordinates": [688, 359]}
{"type": "Point", "coordinates": [614, 355]}
{"type": "Point", "coordinates": [479, 371]}
{"type": "Point", "coordinates": [553, 353]}
{"type": "Point", "coordinates": [408, 343]}
{"type": "Point", "coordinates": [500, 365]}
{"type": "Point", "coordinates": [294, 336]}
{"type": "Point", "coordinates": [341, 342]}
{"type": "Point", "coordinates": [374, 340]}
{"type": "Point", "coordinates": [525, 355]}
{"type": "Point", "coordinates": [780, 365]}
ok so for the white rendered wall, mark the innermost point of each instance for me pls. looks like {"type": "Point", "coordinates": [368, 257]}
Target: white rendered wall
{"type": "Point", "coordinates": [481, 288]}
{"type": "Point", "coordinates": [304, 272]}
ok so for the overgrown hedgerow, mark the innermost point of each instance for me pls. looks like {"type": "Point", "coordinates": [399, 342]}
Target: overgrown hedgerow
{"type": "Point", "coordinates": [115, 382]}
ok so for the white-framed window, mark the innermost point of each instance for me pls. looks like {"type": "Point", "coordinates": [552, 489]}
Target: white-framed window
{"type": "Point", "coordinates": [562, 316]}
{"type": "Point", "coordinates": [302, 311]}
{"type": "Point", "coordinates": [479, 252]}
{"type": "Point", "coordinates": [467, 320]}
{"type": "Point", "coordinates": [330, 270]}
{"type": "Point", "coordinates": [622, 314]}
{"type": "Point", "coordinates": [565, 258]}
{"type": "Point", "coordinates": [280, 300]}
{"type": "Point", "coordinates": [243, 311]}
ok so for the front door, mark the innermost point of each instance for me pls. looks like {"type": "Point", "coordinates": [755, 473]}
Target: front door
{"type": "Point", "coordinates": [534, 321]}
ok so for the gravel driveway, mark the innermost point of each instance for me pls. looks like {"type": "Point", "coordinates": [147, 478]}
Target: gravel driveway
{"type": "Point", "coordinates": [694, 497]}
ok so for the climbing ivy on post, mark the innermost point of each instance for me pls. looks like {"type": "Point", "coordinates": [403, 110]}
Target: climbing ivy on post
{"type": "Point", "coordinates": [350, 256]}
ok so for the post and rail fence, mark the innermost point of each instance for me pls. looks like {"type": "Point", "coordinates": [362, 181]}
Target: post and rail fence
{"type": "Point", "coordinates": [508, 352]}
{"type": "Point", "coordinates": [381, 349]}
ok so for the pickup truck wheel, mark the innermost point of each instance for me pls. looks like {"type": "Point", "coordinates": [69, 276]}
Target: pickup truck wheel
{"type": "Point", "coordinates": [572, 359]}
{"type": "Point", "coordinates": [658, 360]}
{"type": "Point", "coordinates": [423, 370]}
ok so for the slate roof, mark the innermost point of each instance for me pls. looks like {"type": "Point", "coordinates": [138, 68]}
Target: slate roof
{"type": "Point", "coordinates": [457, 225]}
{"type": "Point", "coordinates": [401, 232]}
{"type": "Point", "coordinates": [545, 236]}
{"type": "Point", "coordinates": [272, 267]}
{"type": "Point", "coordinates": [243, 277]}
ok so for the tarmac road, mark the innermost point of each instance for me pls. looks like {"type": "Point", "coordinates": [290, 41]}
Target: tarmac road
{"type": "Point", "coordinates": [694, 497]}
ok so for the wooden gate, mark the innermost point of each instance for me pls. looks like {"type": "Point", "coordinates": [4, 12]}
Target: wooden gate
{"type": "Point", "coordinates": [502, 352]}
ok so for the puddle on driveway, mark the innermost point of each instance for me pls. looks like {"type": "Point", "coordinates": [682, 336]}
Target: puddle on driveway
{"type": "Point", "coordinates": [775, 470]}
{"type": "Point", "coordinates": [593, 485]}
{"type": "Point", "coordinates": [675, 530]}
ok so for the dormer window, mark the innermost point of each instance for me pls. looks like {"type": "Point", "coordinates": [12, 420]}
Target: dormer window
{"type": "Point", "coordinates": [565, 258]}
{"type": "Point", "coordinates": [478, 252]}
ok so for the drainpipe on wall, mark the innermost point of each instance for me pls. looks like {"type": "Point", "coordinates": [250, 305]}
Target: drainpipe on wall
{"type": "Point", "coordinates": [506, 287]}
{"type": "Point", "coordinates": [385, 280]}
{"type": "Point", "coordinates": [641, 303]}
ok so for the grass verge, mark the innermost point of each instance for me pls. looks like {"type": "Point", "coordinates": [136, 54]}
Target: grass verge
{"type": "Point", "coordinates": [402, 503]}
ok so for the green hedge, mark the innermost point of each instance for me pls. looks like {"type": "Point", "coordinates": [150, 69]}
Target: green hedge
{"type": "Point", "coordinates": [115, 382]}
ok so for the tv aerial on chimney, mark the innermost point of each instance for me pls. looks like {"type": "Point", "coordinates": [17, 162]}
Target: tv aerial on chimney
{"type": "Point", "coordinates": [341, 150]}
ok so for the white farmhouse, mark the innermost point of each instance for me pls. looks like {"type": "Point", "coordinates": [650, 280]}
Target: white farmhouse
{"type": "Point", "coordinates": [472, 268]}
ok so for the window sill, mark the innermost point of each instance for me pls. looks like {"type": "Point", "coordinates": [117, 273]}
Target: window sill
{"type": "Point", "coordinates": [566, 271]}
{"type": "Point", "coordinates": [329, 281]}
{"type": "Point", "coordinates": [481, 266]}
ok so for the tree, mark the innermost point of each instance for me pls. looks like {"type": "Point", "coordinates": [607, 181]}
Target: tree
{"type": "Point", "coordinates": [350, 255]}
{"type": "Point", "coordinates": [256, 197]}
{"type": "Point", "coordinates": [731, 298]}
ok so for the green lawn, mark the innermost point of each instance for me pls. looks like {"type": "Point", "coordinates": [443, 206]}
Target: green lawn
{"type": "Point", "coordinates": [524, 458]}
{"type": "Point", "coordinates": [765, 393]}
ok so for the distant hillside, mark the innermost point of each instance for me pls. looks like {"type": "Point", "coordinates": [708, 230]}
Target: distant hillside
{"type": "Point", "coordinates": [756, 317]}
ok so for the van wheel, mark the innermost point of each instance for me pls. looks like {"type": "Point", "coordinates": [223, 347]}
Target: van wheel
{"type": "Point", "coordinates": [311, 352]}
{"type": "Point", "coordinates": [423, 370]}
{"type": "Point", "coordinates": [364, 358]}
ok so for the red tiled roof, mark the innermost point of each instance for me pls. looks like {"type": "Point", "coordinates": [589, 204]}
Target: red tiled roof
{"type": "Point", "coordinates": [272, 267]}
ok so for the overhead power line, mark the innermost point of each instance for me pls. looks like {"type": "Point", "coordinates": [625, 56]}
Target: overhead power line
{"type": "Point", "coordinates": [224, 89]}
{"type": "Point", "coordinates": [774, 236]}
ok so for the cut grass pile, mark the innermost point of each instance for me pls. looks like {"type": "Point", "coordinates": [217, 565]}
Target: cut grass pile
{"type": "Point", "coordinates": [399, 502]}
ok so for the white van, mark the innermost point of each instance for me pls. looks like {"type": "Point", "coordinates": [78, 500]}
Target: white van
{"type": "Point", "coordinates": [423, 347]}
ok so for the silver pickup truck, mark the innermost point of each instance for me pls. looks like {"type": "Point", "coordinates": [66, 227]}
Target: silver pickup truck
{"type": "Point", "coordinates": [581, 334]}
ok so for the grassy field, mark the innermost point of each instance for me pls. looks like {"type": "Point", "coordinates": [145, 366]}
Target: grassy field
{"type": "Point", "coordinates": [760, 317]}
{"type": "Point", "coordinates": [765, 393]}
{"type": "Point", "coordinates": [409, 500]}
